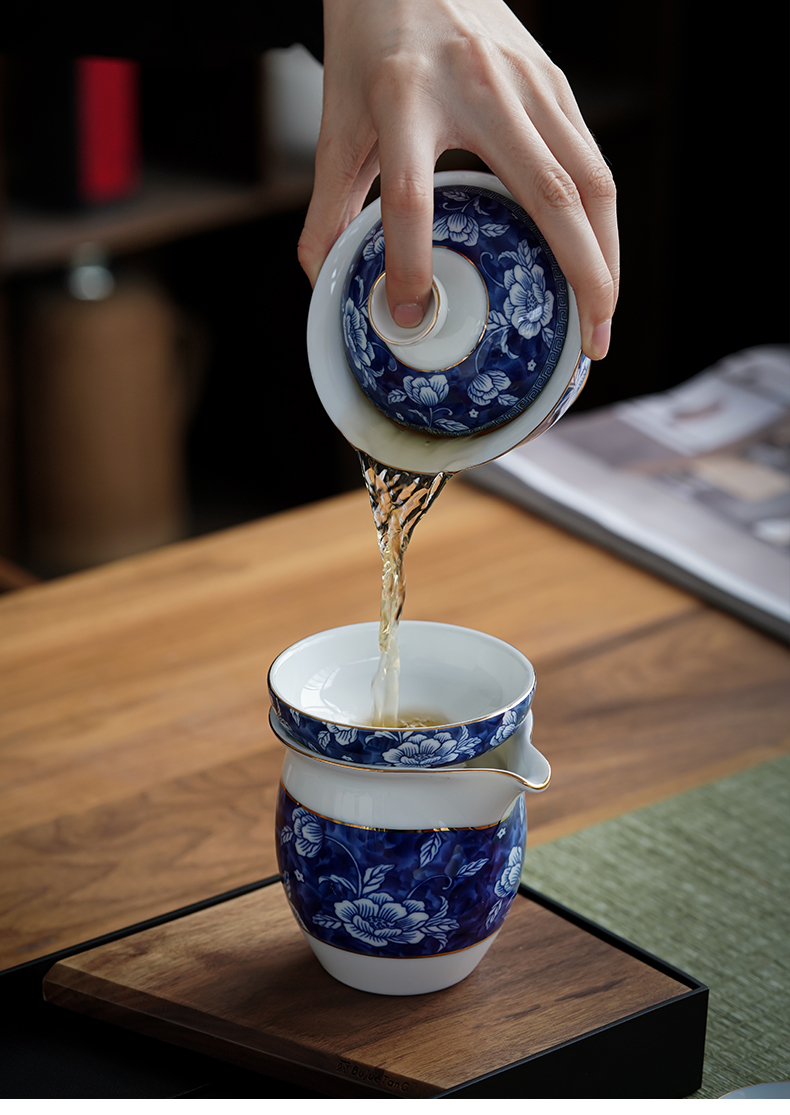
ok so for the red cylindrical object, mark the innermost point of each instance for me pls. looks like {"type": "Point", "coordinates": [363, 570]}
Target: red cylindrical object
{"type": "Point", "coordinates": [108, 157]}
{"type": "Point", "coordinates": [73, 130]}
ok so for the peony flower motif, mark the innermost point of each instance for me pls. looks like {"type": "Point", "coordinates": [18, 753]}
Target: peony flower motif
{"type": "Point", "coordinates": [379, 920]}
{"type": "Point", "coordinates": [334, 733]}
{"type": "Point", "coordinates": [426, 391]}
{"type": "Point", "coordinates": [486, 386]}
{"type": "Point", "coordinates": [358, 347]}
{"type": "Point", "coordinates": [508, 881]}
{"type": "Point", "coordinates": [374, 246]}
{"type": "Point", "coordinates": [308, 834]}
{"type": "Point", "coordinates": [529, 306]}
{"type": "Point", "coordinates": [419, 750]}
{"type": "Point", "coordinates": [458, 227]}
{"type": "Point", "coordinates": [507, 726]}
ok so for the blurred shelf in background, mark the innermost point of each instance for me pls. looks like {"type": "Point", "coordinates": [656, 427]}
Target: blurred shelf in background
{"type": "Point", "coordinates": [210, 233]}
{"type": "Point", "coordinates": [104, 365]}
{"type": "Point", "coordinates": [169, 205]}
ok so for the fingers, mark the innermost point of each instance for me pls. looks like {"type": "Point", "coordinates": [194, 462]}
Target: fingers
{"type": "Point", "coordinates": [407, 218]}
{"type": "Point", "coordinates": [423, 78]}
{"type": "Point", "coordinates": [568, 191]}
{"type": "Point", "coordinates": [375, 92]}
{"type": "Point", "coordinates": [574, 147]}
{"type": "Point", "coordinates": [552, 198]}
{"type": "Point", "coordinates": [339, 193]}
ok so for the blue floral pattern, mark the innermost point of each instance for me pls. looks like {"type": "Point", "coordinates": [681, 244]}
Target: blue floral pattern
{"type": "Point", "coordinates": [524, 334]}
{"type": "Point", "coordinates": [389, 892]}
{"type": "Point", "coordinates": [401, 747]}
{"type": "Point", "coordinates": [368, 363]}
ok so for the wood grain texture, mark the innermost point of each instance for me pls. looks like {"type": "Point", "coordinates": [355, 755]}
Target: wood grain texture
{"type": "Point", "coordinates": [239, 981]}
{"type": "Point", "coordinates": [137, 769]}
{"type": "Point", "coordinates": [689, 700]}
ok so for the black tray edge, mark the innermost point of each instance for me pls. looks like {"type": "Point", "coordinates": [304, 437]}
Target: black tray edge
{"type": "Point", "coordinates": [578, 1063]}
{"type": "Point", "coordinates": [612, 938]}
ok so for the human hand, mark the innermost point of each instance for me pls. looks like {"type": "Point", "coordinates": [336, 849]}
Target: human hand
{"type": "Point", "coordinates": [406, 80]}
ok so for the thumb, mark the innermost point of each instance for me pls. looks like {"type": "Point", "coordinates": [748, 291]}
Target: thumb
{"type": "Point", "coordinates": [339, 193]}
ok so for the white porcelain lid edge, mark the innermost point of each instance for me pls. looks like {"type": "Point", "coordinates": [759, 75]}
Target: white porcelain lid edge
{"type": "Point", "coordinates": [358, 419]}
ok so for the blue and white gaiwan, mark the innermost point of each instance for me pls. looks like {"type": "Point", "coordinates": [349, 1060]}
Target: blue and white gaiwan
{"type": "Point", "coordinates": [495, 362]}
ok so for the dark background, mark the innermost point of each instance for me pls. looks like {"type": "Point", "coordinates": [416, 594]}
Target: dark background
{"type": "Point", "coordinates": [690, 110]}
{"type": "Point", "coordinates": [691, 114]}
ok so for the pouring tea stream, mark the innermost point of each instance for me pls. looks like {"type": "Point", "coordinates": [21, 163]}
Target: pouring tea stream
{"type": "Point", "coordinates": [400, 839]}
{"type": "Point", "coordinates": [495, 362]}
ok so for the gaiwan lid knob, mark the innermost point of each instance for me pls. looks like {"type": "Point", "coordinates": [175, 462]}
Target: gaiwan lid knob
{"type": "Point", "coordinates": [495, 327]}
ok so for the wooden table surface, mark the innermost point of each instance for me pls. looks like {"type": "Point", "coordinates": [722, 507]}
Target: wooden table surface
{"type": "Point", "coordinates": [137, 768]}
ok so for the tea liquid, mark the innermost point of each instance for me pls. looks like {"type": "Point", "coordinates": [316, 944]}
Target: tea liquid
{"type": "Point", "coordinates": [399, 500]}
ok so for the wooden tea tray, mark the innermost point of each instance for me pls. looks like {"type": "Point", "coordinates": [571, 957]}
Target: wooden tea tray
{"type": "Point", "coordinates": [558, 1007]}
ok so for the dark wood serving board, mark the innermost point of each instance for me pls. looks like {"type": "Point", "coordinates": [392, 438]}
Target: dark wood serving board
{"type": "Point", "coordinates": [554, 996]}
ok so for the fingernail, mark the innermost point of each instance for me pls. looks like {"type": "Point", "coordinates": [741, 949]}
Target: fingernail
{"type": "Point", "coordinates": [602, 335]}
{"type": "Point", "coordinates": [408, 315]}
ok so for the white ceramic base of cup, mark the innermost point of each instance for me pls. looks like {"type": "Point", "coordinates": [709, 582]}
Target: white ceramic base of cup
{"type": "Point", "coordinates": [391, 975]}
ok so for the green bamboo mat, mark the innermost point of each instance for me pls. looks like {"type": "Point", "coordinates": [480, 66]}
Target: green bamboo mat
{"type": "Point", "coordinates": [701, 880]}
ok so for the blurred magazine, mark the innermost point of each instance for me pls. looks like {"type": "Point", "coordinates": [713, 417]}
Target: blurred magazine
{"type": "Point", "coordinates": [692, 483]}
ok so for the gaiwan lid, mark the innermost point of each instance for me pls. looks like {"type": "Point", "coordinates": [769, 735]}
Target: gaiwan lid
{"type": "Point", "coordinates": [497, 354]}
{"type": "Point", "coordinates": [494, 329]}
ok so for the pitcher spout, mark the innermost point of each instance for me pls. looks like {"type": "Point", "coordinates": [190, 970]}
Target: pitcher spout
{"type": "Point", "coordinates": [519, 755]}
{"type": "Point", "coordinates": [498, 789]}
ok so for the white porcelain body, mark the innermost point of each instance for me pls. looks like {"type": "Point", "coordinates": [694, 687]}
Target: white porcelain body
{"type": "Point", "coordinates": [400, 879]}
{"type": "Point", "coordinates": [370, 430]}
{"type": "Point", "coordinates": [420, 799]}
{"type": "Point", "coordinates": [381, 975]}
{"type": "Point", "coordinates": [481, 687]}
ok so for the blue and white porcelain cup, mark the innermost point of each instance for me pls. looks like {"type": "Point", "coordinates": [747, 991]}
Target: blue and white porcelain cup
{"type": "Point", "coordinates": [400, 870]}
{"type": "Point", "coordinates": [400, 879]}
{"type": "Point", "coordinates": [496, 361]}
{"type": "Point", "coordinates": [475, 688]}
